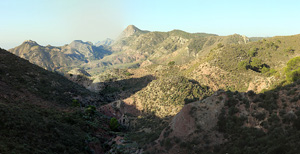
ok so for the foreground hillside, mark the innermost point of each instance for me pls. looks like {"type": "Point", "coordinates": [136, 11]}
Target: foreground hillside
{"type": "Point", "coordinates": [43, 112]}
{"type": "Point", "coordinates": [233, 122]}
{"type": "Point", "coordinates": [163, 117]}
{"type": "Point", "coordinates": [225, 122]}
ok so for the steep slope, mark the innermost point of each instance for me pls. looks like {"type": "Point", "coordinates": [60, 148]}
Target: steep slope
{"type": "Point", "coordinates": [59, 58]}
{"type": "Point", "coordinates": [233, 122]}
{"type": "Point", "coordinates": [43, 112]}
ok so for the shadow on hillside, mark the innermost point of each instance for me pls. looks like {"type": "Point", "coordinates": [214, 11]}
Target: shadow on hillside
{"type": "Point", "coordinates": [268, 102]}
{"type": "Point", "coordinates": [122, 89]}
{"type": "Point", "coordinates": [133, 122]}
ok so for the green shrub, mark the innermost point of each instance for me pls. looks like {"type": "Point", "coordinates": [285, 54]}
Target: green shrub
{"type": "Point", "coordinates": [90, 111]}
{"type": "Point", "coordinates": [256, 62]}
{"type": "Point", "coordinates": [271, 72]}
{"type": "Point", "coordinates": [75, 103]}
{"type": "Point", "coordinates": [252, 52]}
{"type": "Point", "coordinates": [114, 124]}
{"type": "Point", "coordinates": [220, 45]}
{"type": "Point", "coordinates": [243, 65]}
{"type": "Point", "coordinates": [265, 70]}
{"type": "Point", "coordinates": [171, 63]}
{"type": "Point", "coordinates": [127, 73]}
{"type": "Point", "coordinates": [292, 70]}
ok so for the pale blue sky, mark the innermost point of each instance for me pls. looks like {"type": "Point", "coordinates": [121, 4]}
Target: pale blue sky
{"type": "Point", "coordinates": [58, 22]}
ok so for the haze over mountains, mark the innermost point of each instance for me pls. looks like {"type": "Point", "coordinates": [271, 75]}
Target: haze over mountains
{"type": "Point", "coordinates": [131, 49]}
{"type": "Point", "coordinates": [154, 92]}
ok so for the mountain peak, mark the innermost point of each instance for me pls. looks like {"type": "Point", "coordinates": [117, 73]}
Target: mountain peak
{"type": "Point", "coordinates": [30, 42]}
{"type": "Point", "coordinates": [132, 27]}
{"type": "Point", "coordinates": [130, 30]}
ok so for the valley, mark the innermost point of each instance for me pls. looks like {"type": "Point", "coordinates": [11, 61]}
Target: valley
{"type": "Point", "coordinates": [152, 92]}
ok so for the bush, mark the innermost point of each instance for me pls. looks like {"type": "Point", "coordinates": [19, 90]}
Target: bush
{"type": "Point", "coordinates": [127, 73]}
{"type": "Point", "coordinates": [243, 65]}
{"type": "Point", "coordinates": [292, 70]}
{"type": "Point", "coordinates": [252, 52]}
{"type": "Point", "coordinates": [271, 72]}
{"type": "Point", "coordinates": [114, 124]}
{"type": "Point", "coordinates": [90, 110]}
{"type": "Point", "coordinates": [75, 103]}
{"type": "Point", "coordinates": [171, 63]}
{"type": "Point", "coordinates": [265, 70]}
{"type": "Point", "coordinates": [256, 62]}
{"type": "Point", "coordinates": [220, 45]}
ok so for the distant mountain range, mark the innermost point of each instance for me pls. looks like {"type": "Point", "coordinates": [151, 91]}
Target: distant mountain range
{"type": "Point", "coordinates": [57, 58]}
{"type": "Point", "coordinates": [132, 48]}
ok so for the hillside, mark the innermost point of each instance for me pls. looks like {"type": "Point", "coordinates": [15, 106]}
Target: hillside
{"type": "Point", "coordinates": [253, 66]}
{"type": "Point", "coordinates": [178, 92]}
{"type": "Point", "coordinates": [43, 112]}
{"type": "Point", "coordinates": [131, 49]}
{"type": "Point", "coordinates": [233, 122]}
{"type": "Point", "coordinates": [59, 58]}
{"type": "Point", "coordinates": [225, 122]}
{"type": "Point", "coordinates": [159, 114]}
{"type": "Point", "coordinates": [134, 48]}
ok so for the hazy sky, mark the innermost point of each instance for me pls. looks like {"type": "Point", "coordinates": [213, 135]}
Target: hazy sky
{"type": "Point", "coordinates": [58, 22]}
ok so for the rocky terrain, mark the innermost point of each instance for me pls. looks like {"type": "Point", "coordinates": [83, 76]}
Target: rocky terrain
{"type": "Point", "coordinates": [170, 92]}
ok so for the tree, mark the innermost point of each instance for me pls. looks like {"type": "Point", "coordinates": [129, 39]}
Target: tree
{"type": "Point", "coordinates": [252, 52]}
{"type": "Point", "coordinates": [292, 69]}
{"type": "Point", "coordinates": [256, 63]}
{"type": "Point", "coordinates": [243, 65]}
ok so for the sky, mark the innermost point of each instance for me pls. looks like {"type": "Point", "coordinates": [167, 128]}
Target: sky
{"type": "Point", "coordinates": [59, 22]}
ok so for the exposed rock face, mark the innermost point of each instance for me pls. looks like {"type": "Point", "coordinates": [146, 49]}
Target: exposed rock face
{"type": "Point", "coordinates": [259, 83]}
